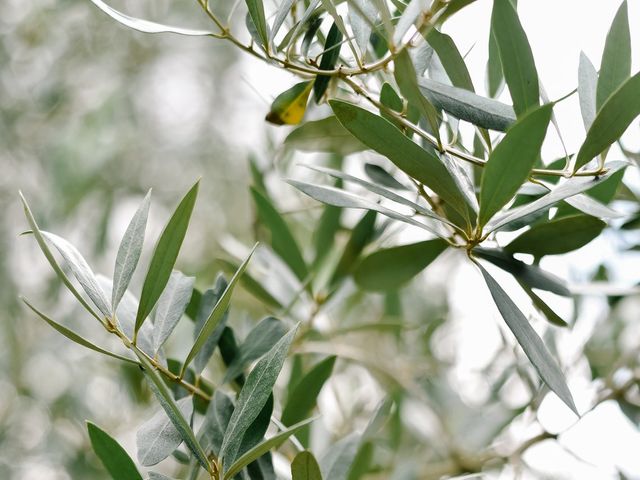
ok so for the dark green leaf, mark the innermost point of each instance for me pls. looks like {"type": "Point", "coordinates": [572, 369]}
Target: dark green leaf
{"type": "Point", "coordinates": [557, 236]}
{"type": "Point", "coordinates": [615, 66]}
{"type": "Point", "coordinates": [613, 118]}
{"type": "Point", "coordinates": [117, 462]}
{"type": "Point", "coordinates": [263, 448]}
{"type": "Point", "coordinates": [532, 275]}
{"type": "Point", "coordinates": [382, 177]}
{"type": "Point", "coordinates": [530, 342]}
{"type": "Point", "coordinates": [209, 300]}
{"type": "Point", "coordinates": [258, 342]}
{"type": "Point", "coordinates": [256, 12]}
{"type": "Point", "coordinates": [517, 60]}
{"type": "Point", "coordinates": [361, 235]}
{"type": "Point", "coordinates": [165, 255]}
{"type": "Point", "coordinates": [466, 105]}
{"type": "Point", "coordinates": [510, 163]}
{"type": "Point", "coordinates": [304, 394]}
{"type": "Point", "coordinates": [328, 61]}
{"type": "Point", "coordinates": [542, 306]}
{"type": "Point", "coordinates": [216, 420]}
{"type": "Point", "coordinates": [381, 136]}
{"type": "Point", "coordinates": [282, 240]}
{"type": "Point", "coordinates": [217, 313]}
{"type": "Point", "coordinates": [326, 135]}
{"type": "Point", "coordinates": [253, 396]}
{"type": "Point", "coordinates": [129, 251]}
{"type": "Point", "coordinates": [390, 268]}
{"type": "Point", "coordinates": [305, 467]}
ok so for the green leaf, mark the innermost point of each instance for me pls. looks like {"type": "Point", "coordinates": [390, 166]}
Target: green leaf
{"type": "Point", "coordinates": [344, 199]}
{"type": "Point", "coordinates": [541, 305]}
{"type": "Point", "coordinates": [613, 118]}
{"type": "Point", "coordinates": [304, 395]}
{"type": "Point", "coordinates": [406, 78]}
{"type": "Point", "coordinates": [282, 240]}
{"type": "Point", "coordinates": [381, 136]}
{"type": "Point", "coordinates": [216, 420]}
{"type": "Point", "coordinates": [305, 467]}
{"type": "Point", "coordinates": [571, 187]}
{"type": "Point", "coordinates": [532, 275]}
{"type": "Point", "coordinates": [465, 105]}
{"type": "Point", "coordinates": [129, 251]}
{"type": "Point", "coordinates": [253, 396]}
{"type": "Point", "coordinates": [557, 236]}
{"type": "Point", "coordinates": [217, 313]}
{"type": "Point", "coordinates": [258, 342]}
{"type": "Point", "coordinates": [382, 177]}
{"type": "Point", "coordinates": [451, 59]}
{"type": "Point", "coordinates": [172, 410]}
{"type": "Point", "coordinates": [326, 135]}
{"type": "Point", "coordinates": [256, 12]}
{"type": "Point", "coordinates": [587, 82]}
{"type": "Point", "coordinates": [146, 26]}
{"type": "Point", "coordinates": [252, 285]}
{"type": "Point", "coordinates": [336, 462]}
{"type": "Point", "coordinates": [390, 268]}
{"type": "Point", "coordinates": [82, 271]}
{"type": "Point", "coordinates": [171, 306]}
{"type": "Point", "coordinates": [165, 255]}
{"type": "Point", "coordinates": [73, 336]}
{"type": "Point", "coordinates": [51, 259]}
{"type": "Point", "coordinates": [495, 77]}
{"type": "Point", "coordinates": [289, 107]}
{"type": "Point", "coordinates": [516, 57]}
{"type": "Point", "coordinates": [115, 459]}
{"type": "Point", "coordinates": [615, 66]}
{"type": "Point", "coordinates": [255, 433]}
{"type": "Point", "coordinates": [361, 235]}
{"type": "Point", "coordinates": [510, 163]}
{"type": "Point", "coordinates": [328, 225]}
{"type": "Point", "coordinates": [383, 192]}
{"type": "Point", "coordinates": [530, 342]}
{"type": "Point", "coordinates": [262, 448]}
{"type": "Point", "coordinates": [329, 58]}
{"type": "Point", "coordinates": [158, 437]}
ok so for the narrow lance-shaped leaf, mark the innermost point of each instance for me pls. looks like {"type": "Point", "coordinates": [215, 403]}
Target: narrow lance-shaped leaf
{"type": "Point", "coordinates": [115, 459]}
{"type": "Point", "coordinates": [615, 66]}
{"type": "Point", "coordinates": [344, 199]}
{"type": "Point", "coordinates": [516, 56]}
{"type": "Point", "coordinates": [542, 306]}
{"type": "Point", "coordinates": [216, 314]}
{"type": "Point", "coordinates": [73, 336]}
{"type": "Point", "coordinates": [362, 15]}
{"type": "Point", "coordinates": [390, 268]}
{"type": "Point", "coordinates": [171, 306]}
{"type": "Point", "coordinates": [305, 467]}
{"type": "Point", "coordinates": [465, 105]}
{"type": "Point", "coordinates": [158, 437]}
{"type": "Point", "coordinates": [336, 462]}
{"type": "Point", "coordinates": [264, 447]}
{"type": "Point", "coordinates": [511, 161]}
{"type": "Point", "coordinates": [587, 82]}
{"type": "Point", "coordinates": [557, 236]}
{"type": "Point", "coordinates": [304, 395]}
{"type": "Point", "coordinates": [529, 340]}
{"type": "Point", "coordinates": [172, 410]}
{"type": "Point", "coordinates": [283, 11]}
{"type": "Point", "coordinates": [208, 302]}
{"type": "Point", "coordinates": [329, 58]}
{"type": "Point", "coordinates": [256, 12]}
{"type": "Point", "coordinates": [165, 255]}
{"type": "Point", "coordinates": [381, 136]}
{"type": "Point", "coordinates": [282, 240]}
{"type": "Point", "coordinates": [571, 187]}
{"type": "Point", "coordinates": [51, 259]}
{"type": "Point", "coordinates": [146, 26]}
{"type": "Point", "coordinates": [613, 118]}
{"type": "Point", "coordinates": [82, 271]}
{"type": "Point", "coordinates": [253, 396]}
{"type": "Point", "coordinates": [451, 59]}
{"type": "Point", "coordinates": [382, 177]}
{"type": "Point", "coordinates": [412, 11]}
{"type": "Point", "coordinates": [129, 251]}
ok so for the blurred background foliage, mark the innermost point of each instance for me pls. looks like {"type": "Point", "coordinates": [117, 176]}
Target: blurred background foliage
{"type": "Point", "coordinates": [91, 116]}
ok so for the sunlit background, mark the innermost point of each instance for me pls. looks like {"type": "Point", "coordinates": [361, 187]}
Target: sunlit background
{"type": "Point", "coordinates": [93, 114]}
